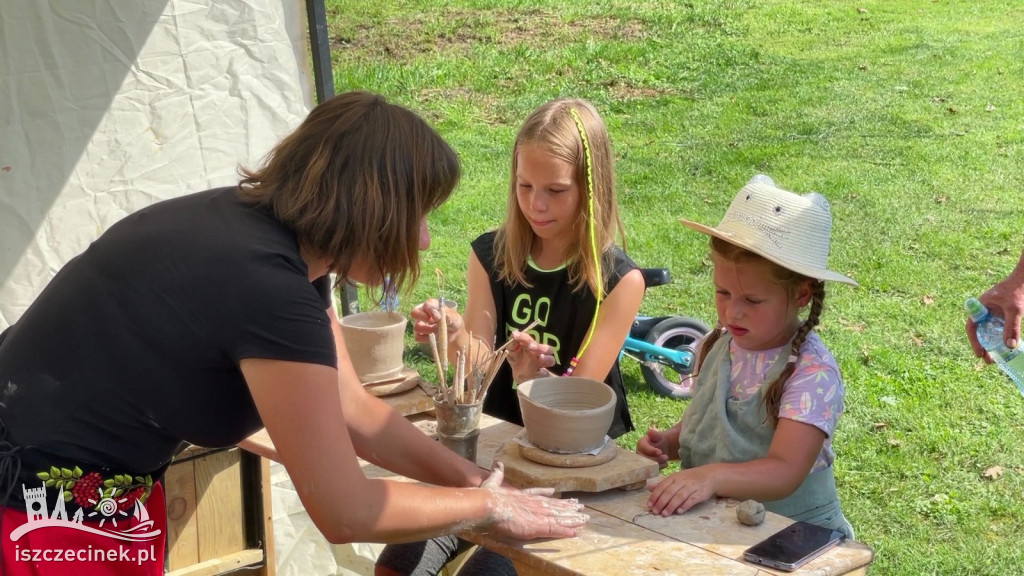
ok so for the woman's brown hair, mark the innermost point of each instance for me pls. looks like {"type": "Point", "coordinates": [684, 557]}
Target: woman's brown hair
{"type": "Point", "coordinates": [791, 281]}
{"type": "Point", "coordinates": [355, 180]}
{"type": "Point", "coordinates": [552, 128]}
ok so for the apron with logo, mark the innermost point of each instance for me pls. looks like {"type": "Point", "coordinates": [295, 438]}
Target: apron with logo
{"type": "Point", "coordinates": [719, 428]}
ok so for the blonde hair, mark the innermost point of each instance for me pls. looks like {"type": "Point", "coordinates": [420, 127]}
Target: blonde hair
{"type": "Point", "coordinates": [552, 128]}
{"type": "Point", "coordinates": [791, 282]}
{"type": "Point", "coordinates": [355, 180]}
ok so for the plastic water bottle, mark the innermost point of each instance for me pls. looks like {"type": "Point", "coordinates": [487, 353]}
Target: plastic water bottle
{"type": "Point", "coordinates": [990, 335]}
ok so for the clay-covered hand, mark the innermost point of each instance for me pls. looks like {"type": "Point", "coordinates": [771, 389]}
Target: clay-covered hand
{"type": "Point", "coordinates": [654, 445]}
{"type": "Point", "coordinates": [426, 318]}
{"type": "Point", "coordinates": [528, 358]}
{"type": "Point", "coordinates": [531, 513]}
{"type": "Point", "coordinates": [680, 491]}
{"type": "Point", "coordinates": [1005, 299]}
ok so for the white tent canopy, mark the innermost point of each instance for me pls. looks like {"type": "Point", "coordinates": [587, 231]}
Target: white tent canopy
{"type": "Point", "coordinates": [107, 106]}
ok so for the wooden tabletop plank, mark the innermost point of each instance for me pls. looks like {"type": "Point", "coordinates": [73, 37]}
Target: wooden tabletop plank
{"type": "Point", "coordinates": [712, 526]}
{"type": "Point", "coordinates": [622, 536]}
{"type": "Point", "coordinates": [413, 401]}
{"type": "Point", "coordinates": [261, 445]}
{"type": "Point", "coordinates": [609, 545]}
{"type": "Point", "coordinates": [606, 545]}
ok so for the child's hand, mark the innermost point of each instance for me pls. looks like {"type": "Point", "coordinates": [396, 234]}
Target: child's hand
{"type": "Point", "coordinates": [527, 358]}
{"type": "Point", "coordinates": [426, 318]}
{"type": "Point", "coordinates": [655, 445]}
{"type": "Point", "coordinates": [680, 491]}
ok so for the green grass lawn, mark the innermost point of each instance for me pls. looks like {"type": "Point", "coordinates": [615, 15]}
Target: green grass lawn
{"type": "Point", "coordinates": [907, 115]}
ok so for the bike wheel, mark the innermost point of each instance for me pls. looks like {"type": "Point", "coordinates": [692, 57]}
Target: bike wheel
{"type": "Point", "coordinates": [676, 333]}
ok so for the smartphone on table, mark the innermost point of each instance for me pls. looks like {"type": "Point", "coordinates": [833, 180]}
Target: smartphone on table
{"type": "Point", "coordinates": [793, 546]}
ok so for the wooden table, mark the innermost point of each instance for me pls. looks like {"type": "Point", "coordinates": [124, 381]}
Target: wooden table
{"type": "Point", "coordinates": [622, 536]}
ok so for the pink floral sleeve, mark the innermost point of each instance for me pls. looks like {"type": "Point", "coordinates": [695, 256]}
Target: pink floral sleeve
{"type": "Point", "coordinates": [814, 394]}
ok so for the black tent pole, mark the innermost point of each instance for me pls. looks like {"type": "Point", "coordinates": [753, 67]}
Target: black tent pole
{"type": "Point", "coordinates": [323, 79]}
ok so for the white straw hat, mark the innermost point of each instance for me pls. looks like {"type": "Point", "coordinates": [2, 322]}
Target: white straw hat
{"type": "Point", "coordinates": [788, 229]}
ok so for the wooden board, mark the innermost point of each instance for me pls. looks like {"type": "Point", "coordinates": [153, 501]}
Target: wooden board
{"type": "Point", "coordinates": [622, 536]}
{"type": "Point", "coordinates": [228, 564]}
{"type": "Point", "coordinates": [608, 545]}
{"type": "Point", "coordinates": [413, 401]}
{"type": "Point", "coordinates": [405, 380]}
{"type": "Point", "coordinates": [269, 567]}
{"type": "Point", "coordinates": [534, 454]}
{"type": "Point", "coordinates": [219, 482]}
{"type": "Point", "coordinates": [182, 525]}
{"type": "Point", "coordinates": [626, 470]}
{"type": "Point", "coordinates": [712, 526]}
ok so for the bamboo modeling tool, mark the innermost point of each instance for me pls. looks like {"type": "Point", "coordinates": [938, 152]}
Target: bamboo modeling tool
{"type": "Point", "coordinates": [475, 366]}
{"type": "Point", "coordinates": [527, 329]}
{"type": "Point", "coordinates": [475, 369]}
{"type": "Point", "coordinates": [442, 328]}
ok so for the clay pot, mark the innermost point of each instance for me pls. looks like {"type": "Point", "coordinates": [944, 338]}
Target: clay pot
{"type": "Point", "coordinates": [566, 415]}
{"type": "Point", "coordinates": [375, 342]}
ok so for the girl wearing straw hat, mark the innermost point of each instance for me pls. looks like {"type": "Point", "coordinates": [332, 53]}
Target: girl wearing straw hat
{"type": "Point", "coordinates": [769, 393]}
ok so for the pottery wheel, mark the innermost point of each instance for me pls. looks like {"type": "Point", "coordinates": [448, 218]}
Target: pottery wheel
{"type": "Point", "coordinates": [404, 380]}
{"type": "Point", "coordinates": [532, 453]}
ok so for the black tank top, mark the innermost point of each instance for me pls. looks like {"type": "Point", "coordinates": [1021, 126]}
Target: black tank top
{"type": "Point", "coordinates": [565, 316]}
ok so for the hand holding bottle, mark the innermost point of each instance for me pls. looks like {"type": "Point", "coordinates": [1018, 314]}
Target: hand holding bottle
{"type": "Point", "coordinates": [989, 334]}
{"type": "Point", "coordinates": [1004, 300]}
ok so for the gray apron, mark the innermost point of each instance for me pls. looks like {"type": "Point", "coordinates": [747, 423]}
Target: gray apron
{"type": "Point", "coordinates": [718, 428]}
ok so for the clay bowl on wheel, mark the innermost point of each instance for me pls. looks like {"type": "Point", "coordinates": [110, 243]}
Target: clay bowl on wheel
{"type": "Point", "coordinates": [566, 415]}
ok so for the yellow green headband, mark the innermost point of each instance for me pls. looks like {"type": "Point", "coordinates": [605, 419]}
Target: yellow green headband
{"type": "Point", "coordinates": [588, 159]}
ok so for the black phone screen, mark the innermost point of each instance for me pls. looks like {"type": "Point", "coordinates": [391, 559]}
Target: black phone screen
{"type": "Point", "coordinates": [793, 546]}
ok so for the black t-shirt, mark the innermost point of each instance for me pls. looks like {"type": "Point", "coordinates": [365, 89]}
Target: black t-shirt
{"type": "Point", "coordinates": [565, 318]}
{"type": "Point", "coordinates": [135, 344]}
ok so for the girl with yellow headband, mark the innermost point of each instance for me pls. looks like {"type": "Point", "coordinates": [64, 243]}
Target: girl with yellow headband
{"type": "Point", "coordinates": [553, 263]}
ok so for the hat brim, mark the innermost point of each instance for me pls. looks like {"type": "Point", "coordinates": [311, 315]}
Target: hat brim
{"type": "Point", "coordinates": [818, 274]}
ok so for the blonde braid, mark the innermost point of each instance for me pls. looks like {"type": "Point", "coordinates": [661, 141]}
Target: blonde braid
{"type": "Point", "coordinates": [772, 398]}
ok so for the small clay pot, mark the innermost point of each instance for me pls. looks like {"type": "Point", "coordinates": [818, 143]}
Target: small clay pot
{"type": "Point", "coordinates": [566, 415]}
{"type": "Point", "coordinates": [375, 342]}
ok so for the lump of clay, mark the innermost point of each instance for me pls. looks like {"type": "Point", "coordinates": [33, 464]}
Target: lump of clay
{"type": "Point", "coordinates": [750, 512]}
